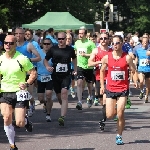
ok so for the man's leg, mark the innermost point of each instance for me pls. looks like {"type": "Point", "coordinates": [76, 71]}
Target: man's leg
{"type": "Point", "coordinates": [49, 104]}
{"type": "Point", "coordinates": [32, 106]}
{"type": "Point", "coordinates": [6, 111]}
{"type": "Point", "coordinates": [121, 102]}
{"type": "Point", "coordinates": [147, 83]}
{"type": "Point", "coordinates": [141, 80]}
{"type": "Point", "coordinates": [20, 116]}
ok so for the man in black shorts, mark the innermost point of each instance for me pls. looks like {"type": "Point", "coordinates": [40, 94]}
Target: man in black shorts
{"type": "Point", "coordinates": [61, 58]}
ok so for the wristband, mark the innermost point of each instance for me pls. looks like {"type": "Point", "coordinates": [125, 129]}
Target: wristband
{"type": "Point", "coordinates": [27, 84]}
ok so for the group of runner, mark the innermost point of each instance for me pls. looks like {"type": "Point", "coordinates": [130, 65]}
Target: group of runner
{"type": "Point", "coordinates": [108, 64]}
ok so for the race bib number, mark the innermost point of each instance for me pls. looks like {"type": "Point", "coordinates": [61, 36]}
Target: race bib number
{"type": "Point", "coordinates": [82, 50]}
{"type": "Point", "coordinates": [143, 62]}
{"type": "Point", "coordinates": [118, 75]}
{"type": "Point", "coordinates": [61, 67]}
{"type": "Point", "coordinates": [46, 78]}
{"type": "Point", "coordinates": [23, 95]}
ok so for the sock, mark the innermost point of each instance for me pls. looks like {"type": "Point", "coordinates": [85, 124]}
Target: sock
{"type": "Point", "coordinates": [142, 91]}
{"type": "Point", "coordinates": [118, 135]}
{"type": "Point", "coordinates": [80, 102]}
{"type": "Point", "coordinates": [10, 132]}
{"type": "Point", "coordinates": [104, 113]}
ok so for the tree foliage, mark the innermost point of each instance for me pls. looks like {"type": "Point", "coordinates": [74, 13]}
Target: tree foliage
{"type": "Point", "coordinates": [135, 13]}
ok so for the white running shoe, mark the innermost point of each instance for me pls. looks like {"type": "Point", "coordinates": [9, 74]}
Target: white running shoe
{"type": "Point", "coordinates": [48, 118]}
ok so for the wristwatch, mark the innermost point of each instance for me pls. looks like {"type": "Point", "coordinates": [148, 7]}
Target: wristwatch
{"type": "Point", "coordinates": [27, 84]}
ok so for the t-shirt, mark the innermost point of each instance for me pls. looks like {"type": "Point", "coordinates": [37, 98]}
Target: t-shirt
{"type": "Point", "coordinates": [41, 69]}
{"type": "Point", "coordinates": [87, 46]}
{"type": "Point", "coordinates": [14, 71]}
{"type": "Point", "coordinates": [61, 59]}
{"type": "Point", "coordinates": [142, 60]}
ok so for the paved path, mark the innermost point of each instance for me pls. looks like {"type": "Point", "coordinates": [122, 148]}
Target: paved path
{"type": "Point", "coordinates": [81, 130]}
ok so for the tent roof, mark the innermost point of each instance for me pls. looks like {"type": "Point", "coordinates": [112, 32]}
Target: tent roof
{"type": "Point", "coordinates": [58, 21]}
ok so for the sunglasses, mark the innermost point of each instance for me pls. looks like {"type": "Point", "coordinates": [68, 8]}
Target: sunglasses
{"type": "Point", "coordinates": [61, 38]}
{"type": "Point", "coordinates": [10, 43]}
{"type": "Point", "coordinates": [104, 38]}
{"type": "Point", "coordinates": [46, 43]}
{"type": "Point", "coordinates": [116, 43]}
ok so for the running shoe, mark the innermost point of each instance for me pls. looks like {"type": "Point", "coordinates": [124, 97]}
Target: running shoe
{"type": "Point", "coordinates": [89, 102]}
{"type": "Point", "coordinates": [119, 140]}
{"type": "Point", "coordinates": [141, 95]}
{"type": "Point", "coordinates": [13, 147]}
{"type": "Point", "coordinates": [96, 102]}
{"type": "Point", "coordinates": [128, 104]}
{"type": "Point", "coordinates": [48, 118]}
{"type": "Point", "coordinates": [79, 106]}
{"type": "Point", "coordinates": [28, 126]}
{"type": "Point", "coordinates": [116, 118]}
{"type": "Point", "coordinates": [61, 121]}
{"type": "Point", "coordinates": [146, 99]}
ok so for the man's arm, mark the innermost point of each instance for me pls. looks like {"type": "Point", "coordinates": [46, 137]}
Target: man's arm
{"type": "Point", "coordinates": [91, 60]}
{"type": "Point", "coordinates": [32, 76]}
{"type": "Point", "coordinates": [102, 70]}
{"type": "Point", "coordinates": [33, 50]}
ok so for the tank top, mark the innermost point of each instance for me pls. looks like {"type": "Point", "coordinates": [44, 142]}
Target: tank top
{"type": "Point", "coordinates": [117, 78]}
{"type": "Point", "coordinates": [98, 57]}
{"type": "Point", "coordinates": [23, 49]}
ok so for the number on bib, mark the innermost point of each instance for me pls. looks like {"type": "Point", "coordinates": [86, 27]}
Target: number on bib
{"type": "Point", "coordinates": [143, 62]}
{"type": "Point", "coordinates": [61, 67]}
{"type": "Point", "coordinates": [81, 50]}
{"type": "Point", "coordinates": [118, 75]}
{"type": "Point", "coordinates": [23, 95]}
{"type": "Point", "coordinates": [46, 78]}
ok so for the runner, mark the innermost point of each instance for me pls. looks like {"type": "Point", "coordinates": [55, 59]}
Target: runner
{"type": "Point", "coordinates": [95, 60]}
{"type": "Point", "coordinates": [83, 48]}
{"type": "Point", "coordinates": [13, 87]}
{"type": "Point", "coordinates": [27, 49]}
{"type": "Point", "coordinates": [117, 83]}
{"type": "Point", "coordinates": [143, 59]}
{"type": "Point", "coordinates": [44, 80]}
{"type": "Point", "coordinates": [61, 58]}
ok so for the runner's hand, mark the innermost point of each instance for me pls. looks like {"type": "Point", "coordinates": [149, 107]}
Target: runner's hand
{"type": "Point", "coordinates": [102, 90]}
{"type": "Point", "coordinates": [50, 69]}
{"type": "Point", "coordinates": [136, 85]}
{"type": "Point", "coordinates": [22, 86]}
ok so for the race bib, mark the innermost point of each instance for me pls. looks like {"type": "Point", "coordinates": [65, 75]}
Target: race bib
{"type": "Point", "coordinates": [46, 78]}
{"type": "Point", "coordinates": [118, 75]}
{"type": "Point", "coordinates": [143, 62]}
{"type": "Point", "coordinates": [23, 95]}
{"type": "Point", "coordinates": [61, 67]}
{"type": "Point", "coordinates": [82, 50]}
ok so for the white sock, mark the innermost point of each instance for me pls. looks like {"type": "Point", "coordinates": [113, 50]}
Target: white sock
{"type": "Point", "coordinates": [10, 132]}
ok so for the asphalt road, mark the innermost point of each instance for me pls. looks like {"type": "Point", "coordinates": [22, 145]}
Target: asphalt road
{"type": "Point", "coordinates": [81, 130]}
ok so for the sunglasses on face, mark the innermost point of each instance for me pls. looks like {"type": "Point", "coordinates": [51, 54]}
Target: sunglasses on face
{"type": "Point", "coordinates": [103, 38]}
{"type": "Point", "coordinates": [10, 43]}
{"type": "Point", "coordinates": [46, 43]}
{"type": "Point", "coordinates": [116, 43]}
{"type": "Point", "coordinates": [61, 38]}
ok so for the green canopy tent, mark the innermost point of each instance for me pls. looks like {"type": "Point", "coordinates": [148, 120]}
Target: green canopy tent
{"type": "Point", "coordinates": [58, 21]}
